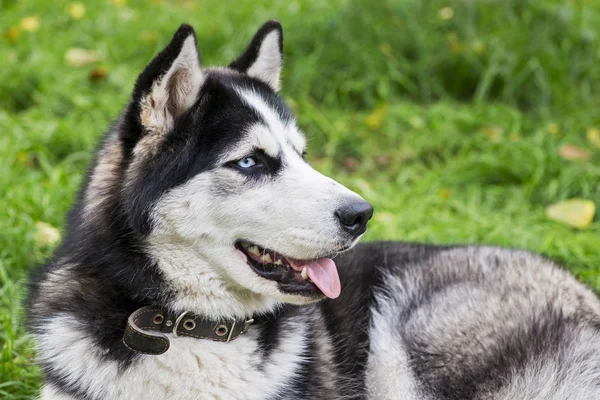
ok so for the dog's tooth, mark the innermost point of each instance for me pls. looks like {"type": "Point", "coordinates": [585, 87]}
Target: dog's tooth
{"type": "Point", "coordinates": [245, 245]}
{"type": "Point", "coordinates": [278, 262]}
{"type": "Point", "coordinates": [267, 258]}
{"type": "Point", "coordinates": [304, 274]}
{"type": "Point", "coordinates": [254, 250]}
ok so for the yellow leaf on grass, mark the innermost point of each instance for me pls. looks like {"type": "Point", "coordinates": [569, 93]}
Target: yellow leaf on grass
{"type": "Point", "coordinates": [375, 119]}
{"type": "Point", "coordinates": [454, 42]}
{"type": "Point", "coordinates": [494, 134]}
{"type": "Point", "coordinates": [386, 49]}
{"type": "Point", "coordinates": [575, 212]}
{"type": "Point", "coordinates": [23, 158]}
{"type": "Point", "coordinates": [13, 33]}
{"type": "Point", "coordinates": [593, 136]}
{"type": "Point", "coordinates": [31, 23]}
{"type": "Point", "coordinates": [45, 234]}
{"type": "Point", "coordinates": [444, 193]}
{"type": "Point", "coordinates": [478, 47]}
{"type": "Point", "coordinates": [76, 10]}
{"type": "Point", "coordinates": [574, 153]}
{"type": "Point", "coordinates": [446, 13]}
{"type": "Point", "coordinates": [81, 57]}
{"type": "Point", "coordinates": [149, 36]}
{"type": "Point", "coordinates": [553, 128]}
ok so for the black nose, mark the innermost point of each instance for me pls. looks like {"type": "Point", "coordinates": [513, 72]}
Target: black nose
{"type": "Point", "coordinates": [354, 217]}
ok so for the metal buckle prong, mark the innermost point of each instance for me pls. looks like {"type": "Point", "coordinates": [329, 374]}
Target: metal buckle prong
{"type": "Point", "coordinates": [231, 330]}
{"type": "Point", "coordinates": [177, 321]}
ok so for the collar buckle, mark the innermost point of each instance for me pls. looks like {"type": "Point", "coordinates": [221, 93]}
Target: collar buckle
{"type": "Point", "coordinates": [177, 321]}
{"type": "Point", "coordinates": [247, 324]}
{"type": "Point", "coordinates": [231, 329]}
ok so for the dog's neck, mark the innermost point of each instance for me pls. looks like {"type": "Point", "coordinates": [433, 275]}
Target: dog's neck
{"type": "Point", "coordinates": [201, 289]}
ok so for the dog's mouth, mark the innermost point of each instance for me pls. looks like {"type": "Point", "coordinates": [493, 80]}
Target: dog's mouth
{"type": "Point", "coordinates": [312, 278]}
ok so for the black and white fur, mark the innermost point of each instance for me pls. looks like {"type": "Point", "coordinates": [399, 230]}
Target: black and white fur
{"type": "Point", "coordinates": [156, 224]}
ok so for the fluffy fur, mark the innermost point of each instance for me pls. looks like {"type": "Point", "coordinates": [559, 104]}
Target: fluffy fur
{"type": "Point", "coordinates": [168, 198]}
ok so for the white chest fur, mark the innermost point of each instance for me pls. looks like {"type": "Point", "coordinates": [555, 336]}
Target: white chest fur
{"type": "Point", "coordinates": [190, 369]}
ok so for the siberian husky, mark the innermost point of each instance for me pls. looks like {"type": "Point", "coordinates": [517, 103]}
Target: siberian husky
{"type": "Point", "coordinates": [206, 259]}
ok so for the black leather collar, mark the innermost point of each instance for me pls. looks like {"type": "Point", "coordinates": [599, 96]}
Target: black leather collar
{"type": "Point", "coordinates": [146, 328]}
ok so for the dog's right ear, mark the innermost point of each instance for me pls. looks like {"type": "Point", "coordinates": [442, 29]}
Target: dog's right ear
{"type": "Point", "coordinates": [170, 84]}
{"type": "Point", "coordinates": [263, 59]}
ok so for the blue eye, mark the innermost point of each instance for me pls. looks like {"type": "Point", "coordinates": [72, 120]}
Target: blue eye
{"type": "Point", "coordinates": [247, 162]}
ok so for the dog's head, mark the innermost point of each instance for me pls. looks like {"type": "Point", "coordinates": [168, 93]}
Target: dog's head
{"type": "Point", "coordinates": [217, 181]}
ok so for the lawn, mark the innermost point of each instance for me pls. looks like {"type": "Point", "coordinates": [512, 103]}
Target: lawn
{"type": "Point", "coordinates": [449, 116]}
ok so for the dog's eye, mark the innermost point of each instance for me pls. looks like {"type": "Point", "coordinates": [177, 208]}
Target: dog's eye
{"type": "Point", "coordinates": [246, 162]}
{"type": "Point", "coordinates": [255, 164]}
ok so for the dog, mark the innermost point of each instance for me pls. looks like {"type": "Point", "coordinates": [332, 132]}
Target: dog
{"type": "Point", "coordinates": [205, 259]}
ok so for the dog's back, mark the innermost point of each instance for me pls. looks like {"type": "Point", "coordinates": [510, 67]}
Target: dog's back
{"type": "Point", "coordinates": [469, 323]}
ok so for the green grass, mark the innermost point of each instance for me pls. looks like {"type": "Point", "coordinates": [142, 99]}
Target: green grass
{"type": "Point", "coordinates": [451, 127]}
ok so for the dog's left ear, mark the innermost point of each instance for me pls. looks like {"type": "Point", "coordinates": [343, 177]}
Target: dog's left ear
{"type": "Point", "coordinates": [263, 58]}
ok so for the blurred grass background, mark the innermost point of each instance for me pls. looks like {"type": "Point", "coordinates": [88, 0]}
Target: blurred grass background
{"type": "Point", "coordinates": [449, 116]}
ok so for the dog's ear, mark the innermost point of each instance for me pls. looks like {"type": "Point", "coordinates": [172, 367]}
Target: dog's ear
{"type": "Point", "coordinates": [263, 58]}
{"type": "Point", "coordinates": [170, 84]}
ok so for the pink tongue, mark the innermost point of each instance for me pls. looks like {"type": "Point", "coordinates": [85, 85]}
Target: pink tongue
{"type": "Point", "coordinates": [323, 273]}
